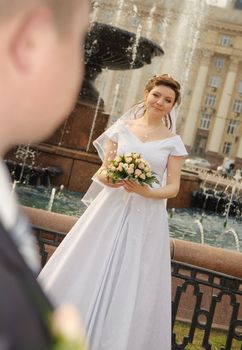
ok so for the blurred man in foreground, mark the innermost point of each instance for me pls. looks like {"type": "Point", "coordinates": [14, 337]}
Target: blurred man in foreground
{"type": "Point", "coordinates": [41, 70]}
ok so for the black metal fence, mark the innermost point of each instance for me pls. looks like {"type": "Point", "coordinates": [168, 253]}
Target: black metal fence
{"type": "Point", "coordinates": [48, 241]}
{"type": "Point", "coordinates": [212, 300]}
{"type": "Point", "coordinates": [203, 300]}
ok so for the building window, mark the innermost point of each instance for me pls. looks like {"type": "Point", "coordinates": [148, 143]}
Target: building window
{"type": "Point", "coordinates": [237, 106]}
{"type": "Point", "coordinates": [135, 21]}
{"type": "Point", "coordinates": [160, 27]}
{"type": "Point", "coordinates": [108, 16]}
{"type": "Point", "coordinates": [227, 148]}
{"type": "Point", "coordinates": [200, 145]}
{"type": "Point", "coordinates": [225, 40]}
{"type": "Point", "coordinates": [215, 81]}
{"type": "Point", "coordinates": [205, 121]}
{"type": "Point", "coordinates": [240, 87]}
{"type": "Point", "coordinates": [219, 62]}
{"type": "Point", "coordinates": [210, 100]}
{"type": "Point", "coordinates": [238, 4]}
{"type": "Point", "coordinates": [232, 127]}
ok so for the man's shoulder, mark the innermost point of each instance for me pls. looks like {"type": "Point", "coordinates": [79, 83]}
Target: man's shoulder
{"type": "Point", "coordinates": [8, 200]}
{"type": "Point", "coordinates": [21, 297]}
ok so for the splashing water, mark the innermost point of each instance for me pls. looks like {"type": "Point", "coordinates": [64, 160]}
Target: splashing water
{"type": "Point", "coordinates": [95, 11]}
{"type": "Point", "coordinates": [199, 12]}
{"type": "Point", "coordinates": [165, 25]}
{"type": "Point", "coordinates": [15, 182]}
{"type": "Point", "coordinates": [96, 111]}
{"type": "Point", "coordinates": [150, 22]}
{"type": "Point", "coordinates": [25, 155]}
{"type": "Point", "coordinates": [229, 205]}
{"type": "Point", "coordinates": [63, 131]}
{"type": "Point", "coordinates": [231, 232]}
{"type": "Point", "coordinates": [184, 34]}
{"type": "Point", "coordinates": [52, 198]}
{"type": "Point", "coordinates": [203, 185]}
{"type": "Point", "coordinates": [217, 182]}
{"type": "Point", "coordinates": [115, 97]}
{"type": "Point", "coordinates": [136, 43]}
{"type": "Point", "coordinates": [93, 123]}
{"type": "Point", "coordinates": [60, 192]}
{"type": "Point", "coordinates": [119, 12]}
{"type": "Point", "coordinates": [200, 226]}
{"type": "Point", "coordinates": [172, 212]}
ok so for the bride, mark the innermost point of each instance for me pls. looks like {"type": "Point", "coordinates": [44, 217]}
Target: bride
{"type": "Point", "coordinates": [114, 264]}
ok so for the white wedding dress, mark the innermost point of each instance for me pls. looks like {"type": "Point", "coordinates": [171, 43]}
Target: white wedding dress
{"type": "Point", "coordinates": [114, 264]}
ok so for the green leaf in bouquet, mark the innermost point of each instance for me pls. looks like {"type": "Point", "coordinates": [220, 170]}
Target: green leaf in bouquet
{"type": "Point", "coordinates": [61, 343]}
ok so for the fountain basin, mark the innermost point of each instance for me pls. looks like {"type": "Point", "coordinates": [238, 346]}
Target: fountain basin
{"type": "Point", "coordinates": [182, 222]}
{"type": "Point", "coordinates": [32, 175]}
{"type": "Point", "coordinates": [212, 258]}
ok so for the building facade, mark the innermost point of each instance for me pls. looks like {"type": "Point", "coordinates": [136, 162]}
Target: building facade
{"type": "Point", "coordinates": [212, 126]}
{"type": "Point", "coordinates": [203, 49]}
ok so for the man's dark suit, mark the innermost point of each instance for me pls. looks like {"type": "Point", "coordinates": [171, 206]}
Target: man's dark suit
{"type": "Point", "coordinates": [24, 308]}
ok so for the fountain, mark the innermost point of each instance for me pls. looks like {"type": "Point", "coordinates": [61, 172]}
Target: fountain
{"type": "Point", "coordinates": [69, 151]}
{"type": "Point", "coordinates": [30, 174]}
{"type": "Point", "coordinates": [219, 199]}
{"type": "Point", "coordinates": [109, 48]}
{"type": "Point", "coordinates": [67, 158]}
{"type": "Point", "coordinates": [223, 200]}
{"type": "Point", "coordinates": [206, 228]}
{"type": "Point", "coordinates": [115, 49]}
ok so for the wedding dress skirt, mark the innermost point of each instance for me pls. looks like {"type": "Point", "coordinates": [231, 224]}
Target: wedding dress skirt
{"type": "Point", "coordinates": [114, 264]}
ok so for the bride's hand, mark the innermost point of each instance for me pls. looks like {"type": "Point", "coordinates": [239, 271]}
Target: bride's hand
{"type": "Point", "coordinates": [117, 184]}
{"type": "Point", "coordinates": [102, 176]}
{"type": "Point", "coordinates": [134, 187]}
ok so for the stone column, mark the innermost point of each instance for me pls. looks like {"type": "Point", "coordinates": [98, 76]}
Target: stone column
{"type": "Point", "coordinates": [216, 136]}
{"type": "Point", "coordinates": [189, 131]}
{"type": "Point", "coordinates": [239, 150]}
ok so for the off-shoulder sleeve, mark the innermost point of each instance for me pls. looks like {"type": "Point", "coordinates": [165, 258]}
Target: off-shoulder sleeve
{"type": "Point", "coordinates": [112, 132]}
{"type": "Point", "coordinates": [178, 148]}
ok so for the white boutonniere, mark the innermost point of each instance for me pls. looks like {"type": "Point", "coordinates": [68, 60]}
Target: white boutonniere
{"type": "Point", "coordinates": [67, 329]}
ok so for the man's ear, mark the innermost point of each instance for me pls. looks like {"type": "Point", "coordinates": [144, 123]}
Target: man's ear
{"type": "Point", "coordinates": [28, 36]}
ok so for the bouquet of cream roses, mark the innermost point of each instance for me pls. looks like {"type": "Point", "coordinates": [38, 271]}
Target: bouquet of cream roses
{"type": "Point", "coordinates": [130, 166]}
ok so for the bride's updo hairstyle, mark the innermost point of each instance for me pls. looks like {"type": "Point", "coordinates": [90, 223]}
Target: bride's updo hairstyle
{"type": "Point", "coordinates": [165, 80]}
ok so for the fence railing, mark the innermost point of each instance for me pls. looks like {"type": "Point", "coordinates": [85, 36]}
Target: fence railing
{"type": "Point", "coordinates": [205, 299]}
{"type": "Point", "coordinates": [202, 300]}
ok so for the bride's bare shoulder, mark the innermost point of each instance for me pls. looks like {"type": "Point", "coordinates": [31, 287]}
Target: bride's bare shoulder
{"type": "Point", "coordinates": [170, 134]}
{"type": "Point", "coordinates": [127, 122]}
